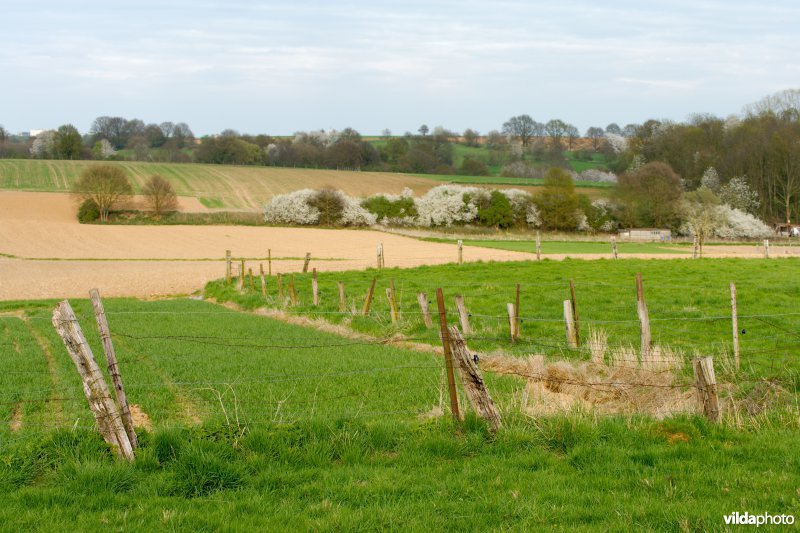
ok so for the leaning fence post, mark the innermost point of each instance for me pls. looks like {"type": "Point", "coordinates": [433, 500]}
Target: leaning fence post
{"type": "Point", "coordinates": [392, 309]}
{"type": "Point", "coordinates": [644, 318]}
{"type": "Point", "coordinates": [706, 383]}
{"type": "Point", "coordinates": [422, 298]}
{"type": "Point", "coordinates": [113, 366]}
{"type": "Point", "coordinates": [472, 380]}
{"type": "Point", "coordinates": [104, 408]}
{"type": "Point", "coordinates": [463, 315]}
{"type": "Point", "coordinates": [735, 324]}
{"type": "Point", "coordinates": [368, 299]}
{"type": "Point", "coordinates": [342, 302]}
{"type": "Point", "coordinates": [315, 287]}
{"type": "Point", "coordinates": [306, 262]}
{"type": "Point", "coordinates": [448, 356]}
{"type": "Point", "coordinates": [228, 267]}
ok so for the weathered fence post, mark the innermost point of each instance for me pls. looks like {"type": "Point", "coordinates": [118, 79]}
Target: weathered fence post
{"type": "Point", "coordinates": [422, 298]}
{"type": "Point", "coordinates": [463, 315]}
{"type": "Point", "coordinates": [106, 412]}
{"type": "Point", "coordinates": [392, 309]}
{"type": "Point", "coordinates": [314, 287]}
{"type": "Point", "coordinates": [694, 248]}
{"type": "Point", "coordinates": [575, 319]}
{"type": "Point", "coordinates": [460, 253]}
{"type": "Point", "coordinates": [393, 301]}
{"type": "Point", "coordinates": [766, 248]}
{"type": "Point", "coordinates": [569, 322]}
{"type": "Point", "coordinates": [228, 267]}
{"type": "Point", "coordinates": [511, 313]}
{"type": "Point", "coordinates": [342, 301]}
{"type": "Point", "coordinates": [516, 316]}
{"type": "Point", "coordinates": [472, 380]}
{"type": "Point", "coordinates": [113, 366]}
{"type": "Point", "coordinates": [448, 356]}
{"type": "Point", "coordinates": [240, 281]}
{"type": "Point", "coordinates": [292, 290]}
{"type": "Point", "coordinates": [263, 281]}
{"type": "Point", "coordinates": [644, 318]}
{"type": "Point", "coordinates": [250, 276]}
{"type": "Point", "coordinates": [269, 262]}
{"type": "Point", "coordinates": [735, 324]}
{"type": "Point", "coordinates": [306, 262]}
{"type": "Point", "coordinates": [538, 246]}
{"type": "Point", "coordinates": [368, 299]}
{"type": "Point", "coordinates": [614, 247]}
{"type": "Point", "coordinates": [281, 294]}
{"type": "Point", "coordinates": [706, 383]}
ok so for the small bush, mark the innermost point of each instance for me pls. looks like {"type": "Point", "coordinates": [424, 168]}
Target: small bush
{"type": "Point", "coordinates": [330, 204]}
{"type": "Point", "coordinates": [473, 167]}
{"type": "Point", "coordinates": [88, 212]}
{"type": "Point", "coordinates": [498, 212]}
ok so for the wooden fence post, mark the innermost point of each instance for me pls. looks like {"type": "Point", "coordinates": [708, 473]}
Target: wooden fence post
{"type": "Point", "coordinates": [269, 262]}
{"type": "Point", "coordinates": [228, 267]}
{"type": "Point", "coordinates": [511, 321]}
{"type": "Point", "coordinates": [516, 316]}
{"type": "Point", "coordinates": [448, 357]}
{"type": "Point", "coordinates": [281, 294]}
{"type": "Point", "coordinates": [461, 254]}
{"type": "Point", "coordinates": [250, 275]}
{"type": "Point", "coordinates": [422, 298]}
{"type": "Point", "coordinates": [706, 383]}
{"type": "Point", "coordinates": [694, 248]}
{"type": "Point", "coordinates": [106, 412]}
{"type": "Point", "coordinates": [342, 301]}
{"type": "Point", "coordinates": [113, 366]}
{"type": "Point", "coordinates": [569, 321]}
{"type": "Point", "coordinates": [393, 301]}
{"type": "Point", "coordinates": [538, 246]}
{"type": "Point", "coordinates": [315, 287]}
{"type": "Point", "coordinates": [735, 324]}
{"type": "Point", "coordinates": [462, 315]}
{"type": "Point", "coordinates": [766, 248]}
{"type": "Point", "coordinates": [240, 281]}
{"type": "Point", "coordinates": [368, 299]}
{"type": "Point", "coordinates": [575, 318]}
{"type": "Point", "coordinates": [614, 251]}
{"type": "Point", "coordinates": [644, 318]}
{"type": "Point", "coordinates": [392, 310]}
{"type": "Point", "coordinates": [472, 380]}
{"type": "Point", "coordinates": [263, 282]}
{"type": "Point", "coordinates": [306, 262]}
{"type": "Point", "coordinates": [292, 290]}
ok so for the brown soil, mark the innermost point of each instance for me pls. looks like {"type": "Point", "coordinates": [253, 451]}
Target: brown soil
{"type": "Point", "coordinates": [140, 418]}
{"type": "Point", "coordinates": [46, 253]}
{"type": "Point", "coordinates": [16, 418]}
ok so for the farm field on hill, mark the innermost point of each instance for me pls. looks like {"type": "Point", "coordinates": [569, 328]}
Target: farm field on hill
{"type": "Point", "coordinates": [240, 415]}
{"type": "Point", "coordinates": [217, 186]}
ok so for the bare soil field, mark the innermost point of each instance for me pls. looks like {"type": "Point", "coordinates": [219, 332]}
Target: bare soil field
{"type": "Point", "coordinates": [46, 253]}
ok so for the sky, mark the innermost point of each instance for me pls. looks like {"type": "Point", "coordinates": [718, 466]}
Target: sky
{"type": "Point", "coordinates": [281, 67]}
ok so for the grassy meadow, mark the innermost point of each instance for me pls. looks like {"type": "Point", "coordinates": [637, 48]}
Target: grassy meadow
{"type": "Point", "coordinates": [286, 427]}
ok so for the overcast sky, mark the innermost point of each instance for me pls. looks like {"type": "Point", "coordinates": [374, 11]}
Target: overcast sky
{"type": "Point", "coordinates": [280, 67]}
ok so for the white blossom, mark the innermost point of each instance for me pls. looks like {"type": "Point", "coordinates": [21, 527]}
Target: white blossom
{"type": "Point", "coordinates": [618, 143]}
{"type": "Point", "coordinates": [593, 174]}
{"type": "Point", "coordinates": [291, 208]}
{"type": "Point", "coordinates": [444, 206]}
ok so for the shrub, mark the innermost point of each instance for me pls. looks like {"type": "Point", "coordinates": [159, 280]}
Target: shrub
{"type": "Point", "coordinates": [592, 174]}
{"type": "Point", "coordinates": [388, 208]}
{"type": "Point", "coordinates": [739, 224]}
{"type": "Point", "coordinates": [88, 212]}
{"type": "Point", "coordinates": [159, 195]}
{"type": "Point", "coordinates": [291, 208]}
{"type": "Point", "coordinates": [445, 205]}
{"type": "Point", "coordinates": [329, 203]}
{"type": "Point", "coordinates": [105, 185]}
{"type": "Point", "coordinates": [498, 212]}
{"type": "Point", "coordinates": [473, 167]}
{"type": "Point", "coordinates": [520, 169]}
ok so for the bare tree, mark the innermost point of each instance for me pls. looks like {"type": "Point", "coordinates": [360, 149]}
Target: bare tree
{"type": "Point", "coordinates": [595, 134]}
{"type": "Point", "coordinates": [159, 195]}
{"type": "Point", "coordinates": [521, 127]}
{"type": "Point", "coordinates": [105, 185]}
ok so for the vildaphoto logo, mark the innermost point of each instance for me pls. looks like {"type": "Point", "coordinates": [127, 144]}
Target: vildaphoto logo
{"type": "Point", "coordinates": [747, 519]}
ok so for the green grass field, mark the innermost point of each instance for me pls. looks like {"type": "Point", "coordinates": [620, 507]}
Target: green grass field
{"type": "Point", "coordinates": [516, 182]}
{"type": "Point", "coordinates": [287, 427]}
{"type": "Point", "coordinates": [573, 247]}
